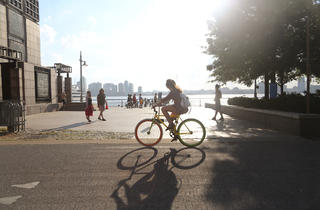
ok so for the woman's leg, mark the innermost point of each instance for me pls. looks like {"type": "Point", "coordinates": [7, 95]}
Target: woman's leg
{"type": "Point", "coordinates": [221, 115]}
{"type": "Point", "coordinates": [218, 109]}
{"type": "Point", "coordinates": [102, 115]}
{"type": "Point", "coordinates": [215, 115]}
{"type": "Point", "coordinates": [101, 108]}
{"type": "Point", "coordinates": [167, 109]}
{"type": "Point", "coordinates": [99, 117]}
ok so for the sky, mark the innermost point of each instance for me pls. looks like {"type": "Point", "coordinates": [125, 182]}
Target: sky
{"type": "Point", "coordinates": [143, 41]}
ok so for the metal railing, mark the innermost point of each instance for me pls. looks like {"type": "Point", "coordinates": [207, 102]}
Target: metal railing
{"type": "Point", "coordinates": [12, 115]}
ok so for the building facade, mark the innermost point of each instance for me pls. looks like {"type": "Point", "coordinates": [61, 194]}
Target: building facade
{"type": "Point", "coordinates": [110, 89]}
{"type": "Point", "coordinates": [95, 88]}
{"type": "Point", "coordinates": [121, 89]}
{"type": "Point", "coordinates": [22, 78]}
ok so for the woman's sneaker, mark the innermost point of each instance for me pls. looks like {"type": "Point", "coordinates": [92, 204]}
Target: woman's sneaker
{"type": "Point", "coordinates": [170, 126]}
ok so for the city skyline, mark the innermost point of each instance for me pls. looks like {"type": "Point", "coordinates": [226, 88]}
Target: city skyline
{"type": "Point", "coordinates": [125, 88]}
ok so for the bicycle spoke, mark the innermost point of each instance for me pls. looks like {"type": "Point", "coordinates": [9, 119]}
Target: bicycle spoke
{"type": "Point", "coordinates": [148, 132]}
{"type": "Point", "coordinates": [191, 132]}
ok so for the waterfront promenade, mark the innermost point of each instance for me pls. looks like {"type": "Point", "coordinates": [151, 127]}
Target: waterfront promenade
{"type": "Point", "coordinates": [240, 166]}
{"type": "Point", "coordinates": [121, 122]}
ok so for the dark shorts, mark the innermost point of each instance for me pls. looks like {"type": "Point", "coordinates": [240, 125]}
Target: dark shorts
{"type": "Point", "coordinates": [101, 108]}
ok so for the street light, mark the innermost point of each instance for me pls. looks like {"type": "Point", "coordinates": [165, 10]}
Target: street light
{"type": "Point", "coordinates": [82, 63]}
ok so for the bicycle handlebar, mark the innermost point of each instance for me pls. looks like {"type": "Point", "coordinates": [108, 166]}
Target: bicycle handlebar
{"type": "Point", "coordinates": [154, 107]}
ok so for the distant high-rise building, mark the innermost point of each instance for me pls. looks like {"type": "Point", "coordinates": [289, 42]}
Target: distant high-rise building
{"type": "Point", "coordinates": [84, 84]}
{"type": "Point", "coordinates": [126, 87]}
{"type": "Point", "coordinates": [121, 89]}
{"type": "Point", "coordinates": [301, 84]}
{"type": "Point", "coordinates": [130, 89]}
{"type": "Point", "coordinates": [110, 89]}
{"type": "Point", "coordinates": [139, 90]}
{"type": "Point", "coordinates": [94, 88]}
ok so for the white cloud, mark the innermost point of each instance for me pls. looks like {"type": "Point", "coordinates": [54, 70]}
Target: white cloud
{"type": "Point", "coordinates": [67, 12]}
{"type": "Point", "coordinates": [92, 20]}
{"type": "Point", "coordinates": [57, 58]}
{"type": "Point", "coordinates": [83, 40]}
{"type": "Point", "coordinates": [48, 19]}
{"type": "Point", "coordinates": [48, 33]}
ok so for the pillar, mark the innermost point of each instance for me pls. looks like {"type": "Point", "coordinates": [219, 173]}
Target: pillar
{"type": "Point", "coordinates": [59, 83]}
{"type": "Point", "coordinates": [0, 85]}
{"type": "Point", "coordinates": [68, 89]}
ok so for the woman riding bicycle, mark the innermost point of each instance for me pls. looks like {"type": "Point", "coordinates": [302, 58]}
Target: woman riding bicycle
{"type": "Point", "coordinates": [176, 108]}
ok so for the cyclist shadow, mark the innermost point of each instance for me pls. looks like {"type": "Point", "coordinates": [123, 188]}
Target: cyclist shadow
{"type": "Point", "coordinates": [155, 190]}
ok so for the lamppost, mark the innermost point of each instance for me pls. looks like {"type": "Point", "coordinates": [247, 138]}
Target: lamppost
{"type": "Point", "coordinates": [82, 63]}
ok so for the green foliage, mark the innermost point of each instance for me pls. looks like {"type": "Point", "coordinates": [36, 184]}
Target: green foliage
{"type": "Point", "coordinates": [255, 37]}
{"type": "Point", "coordinates": [288, 103]}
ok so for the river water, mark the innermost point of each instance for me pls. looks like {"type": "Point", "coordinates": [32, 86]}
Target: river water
{"type": "Point", "coordinates": [196, 100]}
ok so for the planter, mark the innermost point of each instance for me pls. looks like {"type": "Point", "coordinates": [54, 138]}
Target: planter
{"type": "Point", "coordinates": [306, 125]}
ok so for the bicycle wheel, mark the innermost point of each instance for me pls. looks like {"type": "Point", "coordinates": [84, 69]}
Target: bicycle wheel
{"type": "Point", "coordinates": [144, 155]}
{"type": "Point", "coordinates": [191, 132]}
{"type": "Point", "coordinates": [148, 132]}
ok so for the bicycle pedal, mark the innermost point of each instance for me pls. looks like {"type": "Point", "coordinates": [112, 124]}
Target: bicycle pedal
{"type": "Point", "coordinates": [174, 139]}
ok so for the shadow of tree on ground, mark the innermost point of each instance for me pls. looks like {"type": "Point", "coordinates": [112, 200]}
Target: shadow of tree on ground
{"type": "Point", "coordinates": [267, 175]}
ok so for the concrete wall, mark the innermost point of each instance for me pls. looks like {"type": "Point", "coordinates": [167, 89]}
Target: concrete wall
{"type": "Point", "coordinates": [306, 125]}
{"type": "Point", "coordinates": [39, 108]}
{"type": "Point", "coordinates": [29, 84]}
{"type": "Point", "coordinates": [3, 26]}
{"type": "Point", "coordinates": [54, 87]}
{"type": "Point", "coordinates": [33, 43]}
{"type": "Point", "coordinates": [0, 85]}
{"type": "Point", "coordinates": [32, 107]}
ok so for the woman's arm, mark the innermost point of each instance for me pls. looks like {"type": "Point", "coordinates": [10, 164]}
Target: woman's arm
{"type": "Point", "coordinates": [166, 99]}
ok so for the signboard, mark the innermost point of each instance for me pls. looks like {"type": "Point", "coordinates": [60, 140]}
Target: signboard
{"type": "Point", "coordinates": [42, 84]}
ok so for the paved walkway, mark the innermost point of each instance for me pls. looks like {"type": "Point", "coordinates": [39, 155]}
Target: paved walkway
{"type": "Point", "coordinates": [240, 166]}
{"type": "Point", "coordinates": [121, 122]}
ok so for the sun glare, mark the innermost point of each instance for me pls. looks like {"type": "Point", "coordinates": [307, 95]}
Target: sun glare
{"type": "Point", "coordinates": [220, 6]}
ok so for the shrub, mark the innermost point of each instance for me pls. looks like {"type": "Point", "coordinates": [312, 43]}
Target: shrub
{"type": "Point", "coordinates": [287, 102]}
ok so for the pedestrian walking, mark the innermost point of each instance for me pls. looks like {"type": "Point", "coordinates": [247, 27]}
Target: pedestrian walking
{"type": "Point", "coordinates": [155, 99]}
{"type": "Point", "coordinates": [89, 106]}
{"type": "Point", "coordinates": [134, 101]}
{"type": "Point", "coordinates": [218, 96]}
{"type": "Point", "coordinates": [101, 100]}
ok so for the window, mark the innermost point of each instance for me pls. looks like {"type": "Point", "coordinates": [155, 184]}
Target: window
{"type": "Point", "coordinates": [32, 9]}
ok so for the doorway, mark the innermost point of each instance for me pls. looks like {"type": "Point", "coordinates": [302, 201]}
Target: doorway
{"type": "Point", "coordinates": [10, 81]}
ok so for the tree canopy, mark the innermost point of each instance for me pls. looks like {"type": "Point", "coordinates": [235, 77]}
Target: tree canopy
{"type": "Point", "coordinates": [255, 38]}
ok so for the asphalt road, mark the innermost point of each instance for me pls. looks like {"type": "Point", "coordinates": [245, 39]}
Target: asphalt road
{"type": "Point", "coordinates": [260, 173]}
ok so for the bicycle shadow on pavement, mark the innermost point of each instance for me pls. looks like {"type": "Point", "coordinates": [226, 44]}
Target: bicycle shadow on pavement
{"type": "Point", "coordinates": [158, 186]}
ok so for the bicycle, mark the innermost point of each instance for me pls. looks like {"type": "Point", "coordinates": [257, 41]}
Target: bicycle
{"type": "Point", "coordinates": [190, 132]}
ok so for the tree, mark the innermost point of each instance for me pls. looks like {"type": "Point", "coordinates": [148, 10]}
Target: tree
{"type": "Point", "coordinates": [257, 38]}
